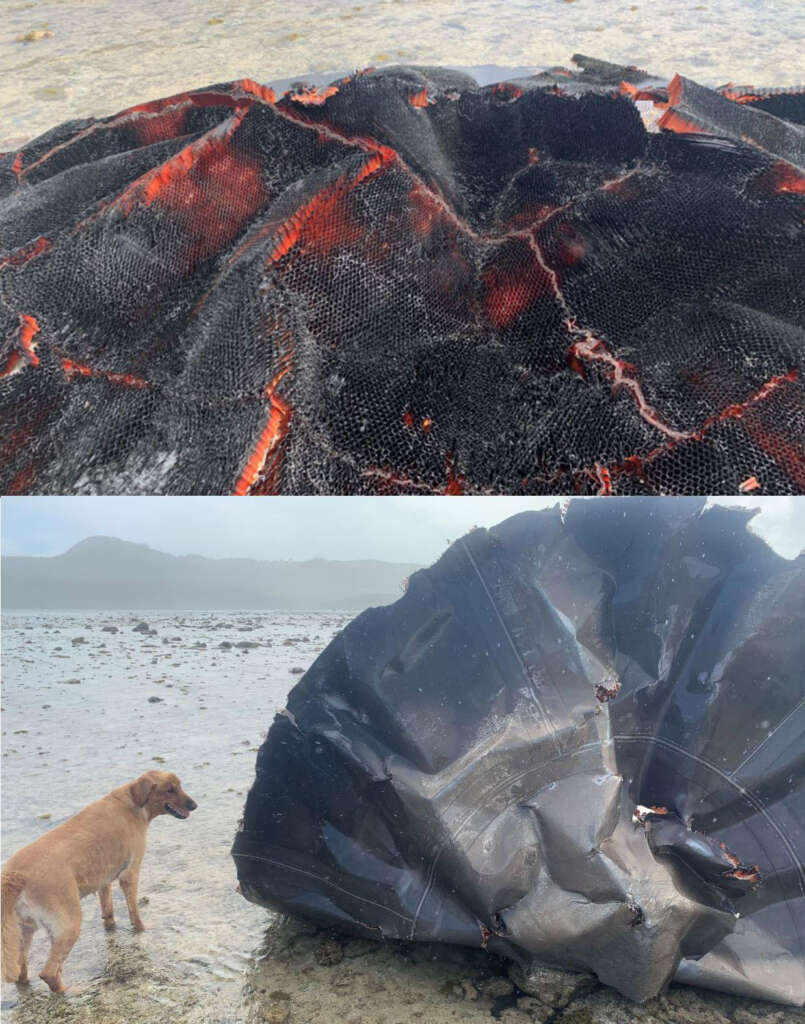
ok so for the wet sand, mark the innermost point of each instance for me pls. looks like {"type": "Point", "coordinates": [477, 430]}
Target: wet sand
{"type": "Point", "coordinates": [78, 720]}
{"type": "Point", "coordinates": [77, 58]}
{"type": "Point", "coordinates": [302, 976]}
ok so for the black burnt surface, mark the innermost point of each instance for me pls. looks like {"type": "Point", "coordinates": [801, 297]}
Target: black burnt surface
{"type": "Point", "coordinates": [406, 283]}
{"type": "Point", "coordinates": [446, 770]}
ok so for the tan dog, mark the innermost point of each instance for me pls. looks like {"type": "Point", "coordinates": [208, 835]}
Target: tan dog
{"type": "Point", "coordinates": [44, 882]}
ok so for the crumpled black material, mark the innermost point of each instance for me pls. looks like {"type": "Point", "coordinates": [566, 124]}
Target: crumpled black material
{"type": "Point", "coordinates": [577, 739]}
{"type": "Point", "coordinates": [405, 283]}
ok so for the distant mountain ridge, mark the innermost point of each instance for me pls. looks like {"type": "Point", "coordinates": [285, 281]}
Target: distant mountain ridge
{"type": "Point", "coordinates": [106, 572]}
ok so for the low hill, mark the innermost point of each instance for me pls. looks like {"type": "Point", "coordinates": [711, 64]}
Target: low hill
{"type": "Point", "coordinates": [105, 572]}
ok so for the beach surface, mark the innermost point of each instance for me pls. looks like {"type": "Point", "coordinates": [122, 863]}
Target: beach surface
{"type": "Point", "coordinates": [69, 59]}
{"type": "Point", "coordinates": [85, 710]}
{"type": "Point", "coordinates": [89, 701]}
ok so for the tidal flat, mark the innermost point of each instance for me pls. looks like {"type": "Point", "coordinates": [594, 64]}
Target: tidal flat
{"type": "Point", "coordinates": [93, 699]}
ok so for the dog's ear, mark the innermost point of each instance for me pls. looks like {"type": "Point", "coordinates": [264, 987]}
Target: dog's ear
{"type": "Point", "coordinates": [142, 788]}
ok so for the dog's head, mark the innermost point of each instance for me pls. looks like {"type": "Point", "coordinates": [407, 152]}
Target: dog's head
{"type": "Point", "coordinates": [161, 793]}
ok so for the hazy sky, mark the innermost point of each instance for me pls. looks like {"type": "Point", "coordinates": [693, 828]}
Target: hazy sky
{"type": "Point", "coordinates": [392, 529]}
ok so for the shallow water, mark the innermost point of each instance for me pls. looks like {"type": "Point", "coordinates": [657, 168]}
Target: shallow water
{"type": "Point", "coordinates": [77, 722]}
{"type": "Point", "coordinates": [104, 55]}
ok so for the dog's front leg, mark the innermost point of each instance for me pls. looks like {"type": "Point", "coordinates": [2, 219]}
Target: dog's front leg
{"type": "Point", "coordinates": [129, 880]}
{"type": "Point", "coordinates": [107, 907]}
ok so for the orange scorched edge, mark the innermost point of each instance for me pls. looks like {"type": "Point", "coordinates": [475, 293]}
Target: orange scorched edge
{"type": "Point", "coordinates": [455, 482]}
{"type": "Point", "coordinates": [420, 99]}
{"type": "Point", "coordinates": [604, 479]}
{"type": "Point", "coordinates": [388, 478]}
{"type": "Point", "coordinates": [169, 171]}
{"type": "Point", "coordinates": [203, 98]}
{"type": "Point", "coordinates": [320, 221]}
{"type": "Point", "coordinates": [736, 97]}
{"type": "Point", "coordinates": [261, 92]}
{"type": "Point", "coordinates": [169, 122]}
{"type": "Point", "coordinates": [672, 121]}
{"type": "Point", "coordinates": [675, 89]}
{"type": "Point", "coordinates": [749, 94]}
{"type": "Point", "coordinates": [312, 96]}
{"type": "Point", "coordinates": [506, 90]}
{"type": "Point", "coordinates": [634, 465]}
{"type": "Point", "coordinates": [736, 411]}
{"type": "Point", "coordinates": [29, 328]}
{"type": "Point", "coordinates": [181, 163]}
{"type": "Point", "coordinates": [274, 431]}
{"type": "Point", "coordinates": [150, 184]}
{"type": "Point", "coordinates": [634, 92]}
{"type": "Point", "coordinates": [30, 252]}
{"type": "Point", "coordinates": [745, 874]}
{"type": "Point", "coordinates": [158, 119]}
{"type": "Point", "coordinates": [154, 181]}
{"type": "Point", "coordinates": [781, 177]}
{"type": "Point", "coordinates": [165, 119]}
{"type": "Point", "coordinates": [72, 369]}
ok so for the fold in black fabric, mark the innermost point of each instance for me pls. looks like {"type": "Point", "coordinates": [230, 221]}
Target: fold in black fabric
{"type": "Point", "coordinates": [406, 283]}
{"type": "Point", "coordinates": [577, 738]}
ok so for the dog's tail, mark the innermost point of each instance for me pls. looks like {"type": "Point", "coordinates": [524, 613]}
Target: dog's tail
{"type": "Point", "coordinates": [11, 886]}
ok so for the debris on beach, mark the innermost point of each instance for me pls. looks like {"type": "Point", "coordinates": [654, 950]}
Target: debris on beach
{"type": "Point", "coordinates": [238, 959]}
{"type": "Point", "coordinates": [35, 35]}
{"type": "Point", "coordinates": [576, 282]}
{"type": "Point", "coordinates": [572, 743]}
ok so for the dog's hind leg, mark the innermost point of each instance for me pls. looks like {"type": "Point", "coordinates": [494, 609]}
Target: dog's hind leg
{"type": "Point", "coordinates": [28, 929]}
{"type": "Point", "coordinates": [129, 881]}
{"type": "Point", "coordinates": [64, 924]}
{"type": "Point", "coordinates": [12, 886]}
{"type": "Point", "coordinates": [107, 907]}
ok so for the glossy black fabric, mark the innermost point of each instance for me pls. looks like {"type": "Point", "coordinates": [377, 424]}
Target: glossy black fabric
{"type": "Point", "coordinates": [576, 738]}
{"type": "Point", "coordinates": [405, 283]}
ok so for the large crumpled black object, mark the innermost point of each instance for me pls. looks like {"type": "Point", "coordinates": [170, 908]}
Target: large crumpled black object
{"type": "Point", "coordinates": [406, 283]}
{"type": "Point", "coordinates": [577, 738]}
